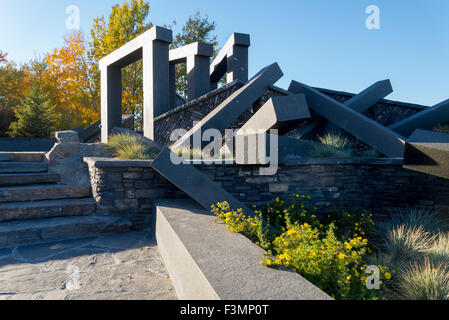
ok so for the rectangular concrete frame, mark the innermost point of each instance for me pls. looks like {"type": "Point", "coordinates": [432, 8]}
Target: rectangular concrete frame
{"type": "Point", "coordinates": [153, 48]}
{"type": "Point", "coordinates": [277, 112]}
{"type": "Point", "coordinates": [287, 148]}
{"type": "Point", "coordinates": [197, 56]}
{"type": "Point", "coordinates": [426, 119]}
{"type": "Point", "coordinates": [240, 101]}
{"type": "Point", "coordinates": [369, 131]}
{"type": "Point", "coordinates": [361, 102]}
{"type": "Point", "coordinates": [428, 152]}
{"type": "Point", "coordinates": [194, 183]}
{"type": "Point", "coordinates": [232, 60]}
{"type": "Point", "coordinates": [208, 262]}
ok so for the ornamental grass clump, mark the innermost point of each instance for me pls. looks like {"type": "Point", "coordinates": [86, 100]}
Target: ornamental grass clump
{"type": "Point", "coordinates": [416, 242]}
{"type": "Point", "coordinates": [442, 128]}
{"type": "Point", "coordinates": [333, 145]}
{"type": "Point", "coordinates": [131, 147]}
{"type": "Point", "coordinates": [425, 281]}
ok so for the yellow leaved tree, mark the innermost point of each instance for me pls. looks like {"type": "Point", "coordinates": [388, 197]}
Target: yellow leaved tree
{"type": "Point", "coordinates": [75, 94]}
{"type": "Point", "coordinates": [124, 24]}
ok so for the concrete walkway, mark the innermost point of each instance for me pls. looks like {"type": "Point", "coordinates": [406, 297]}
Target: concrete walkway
{"type": "Point", "coordinates": [119, 266]}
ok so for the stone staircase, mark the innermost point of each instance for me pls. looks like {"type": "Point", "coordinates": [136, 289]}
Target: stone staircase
{"type": "Point", "coordinates": [35, 207]}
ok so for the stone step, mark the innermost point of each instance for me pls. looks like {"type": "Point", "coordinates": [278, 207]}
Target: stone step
{"type": "Point", "coordinates": [23, 167]}
{"type": "Point", "coordinates": [14, 233]}
{"type": "Point", "coordinates": [13, 211]}
{"type": "Point", "coordinates": [27, 178]}
{"type": "Point", "coordinates": [22, 156]}
{"type": "Point", "coordinates": [43, 192]}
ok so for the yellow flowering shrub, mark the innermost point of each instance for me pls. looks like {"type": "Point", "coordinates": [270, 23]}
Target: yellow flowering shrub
{"type": "Point", "coordinates": [237, 222]}
{"type": "Point", "coordinates": [332, 258]}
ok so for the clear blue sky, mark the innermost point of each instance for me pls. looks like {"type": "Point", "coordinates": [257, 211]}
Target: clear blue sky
{"type": "Point", "coordinates": [322, 43]}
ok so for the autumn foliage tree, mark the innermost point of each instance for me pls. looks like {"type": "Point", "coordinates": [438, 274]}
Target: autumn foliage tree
{"type": "Point", "coordinates": [125, 23]}
{"type": "Point", "coordinates": [3, 57]}
{"type": "Point", "coordinates": [70, 77]}
{"type": "Point", "coordinates": [75, 92]}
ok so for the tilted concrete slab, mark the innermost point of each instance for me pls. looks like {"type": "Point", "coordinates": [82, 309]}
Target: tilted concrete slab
{"type": "Point", "coordinates": [208, 262]}
{"type": "Point", "coordinates": [240, 101]}
{"type": "Point", "coordinates": [361, 102]}
{"type": "Point", "coordinates": [194, 183]}
{"type": "Point", "coordinates": [369, 131]}
{"type": "Point", "coordinates": [370, 96]}
{"type": "Point", "coordinates": [231, 60]}
{"type": "Point", "coordinates": [428, 152]}
{"type": "Point", "coordinates": [426, 119]}
{"type": "Point", "coordinates": [277, 112]}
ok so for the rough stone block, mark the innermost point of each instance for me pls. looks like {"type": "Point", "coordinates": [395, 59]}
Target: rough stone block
{"type": "Point", "coordinates": [428, 152]}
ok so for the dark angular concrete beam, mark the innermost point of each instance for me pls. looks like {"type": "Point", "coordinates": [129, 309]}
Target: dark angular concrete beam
{"type": "Point", "coordinates": [370, 96]}
{"type": "Point", "coordinates": [425, 120]}
{"type": "Point", "coordinates": [240, 101]}
{"type": "Point", "coordinates": [428, 152]}
{"type": "Point", "coordinates": [361, 102]}
{"type": "Point", "coordinates": [194, 183]}
{"type": "Point", "coordinates": [277, 112]}
{"type": "Point", "coordinates": [369, 131]}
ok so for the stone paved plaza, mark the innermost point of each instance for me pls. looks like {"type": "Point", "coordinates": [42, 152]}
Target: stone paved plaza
{"type": "Point", "coordinates": [118, 266]}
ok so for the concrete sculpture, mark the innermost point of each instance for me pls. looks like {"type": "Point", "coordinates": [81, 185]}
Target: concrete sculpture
{"type": "Point", "coordinates": [426, 119]}
{"type": "Point", "coordinates": [231, 61]}
{"type": "Point", "coordinates": [369, 131]}
{"type": "Point", "coordinates": [240, 101]}
{"type": "Point", "coordinates": [428, 152]}
{"type": "Point", "coordinates": [153, 48]}
{"type": "Point", "coordinates": [197, 56]}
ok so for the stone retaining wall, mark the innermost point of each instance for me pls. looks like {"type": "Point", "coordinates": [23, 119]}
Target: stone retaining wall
{"type": "Point", "coordinates": [129, 188]}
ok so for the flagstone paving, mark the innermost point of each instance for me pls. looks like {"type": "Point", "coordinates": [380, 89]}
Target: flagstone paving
{"type": "Point", "coordinates": [118, 266]}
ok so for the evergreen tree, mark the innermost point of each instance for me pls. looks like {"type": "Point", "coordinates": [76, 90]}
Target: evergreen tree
{"type": "Point", "coordinates": [35, 115]}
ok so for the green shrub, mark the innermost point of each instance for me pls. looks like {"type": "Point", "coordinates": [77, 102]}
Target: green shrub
{"type": "Point", "coordinates": [337, 140]}
{"type": "Point", "coordinates": [131, 147]}
{"type": "Point", "coordinates": [325, 151]}
{"type": "Point", "coordinates": [443, 128]}
{"type": "Point", "coordinates": [425, 281]}
{"type": "Point", "coordinates": [333, 145]}
{"type": "Point", "coordinates": [315, 247]}
{"type": "Point", "coordinates": [36, 116]}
